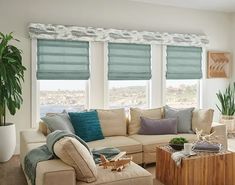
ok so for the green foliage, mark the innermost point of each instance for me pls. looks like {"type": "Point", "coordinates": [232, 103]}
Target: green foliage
{"type": "Point", "coordinates": [226, 100]}
{"type": "Point", "coordinates": [11, 75]}
{"type": "Point", "coordinates": [178, 140]}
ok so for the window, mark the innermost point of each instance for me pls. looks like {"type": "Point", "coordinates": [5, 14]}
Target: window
{"type": "Point", "coordinates": [129, 69]}
{"type": "Point", "coordinates": [62, 73]}
{"type": "Point", "coordinates": [58, 95]}
{"type": "Point", "coordinates": [128, 94]}
{"type": "Point", "coordinates": [183, 71]}
{"type": "Point", "coordinates": [182, 93]}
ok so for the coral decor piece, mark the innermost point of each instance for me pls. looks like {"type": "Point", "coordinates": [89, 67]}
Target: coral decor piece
{"type": "Point", "coordinates": [218, 64]}
{"type": "Point", "coordinates": [209, 138]}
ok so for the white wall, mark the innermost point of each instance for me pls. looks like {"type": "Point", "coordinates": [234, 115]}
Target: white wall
{"type": "Point", "coordinates": [233, 46]}
{"type": "Point", "coordinates": [16, 15]}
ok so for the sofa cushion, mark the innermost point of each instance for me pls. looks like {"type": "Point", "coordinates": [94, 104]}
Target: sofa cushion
{"type": "Point", "coordinates": [150, 142]}
{"type": "Point", "coordinates": [123, 143]}
{"type": "Point", "coordinates": [135, 113]}
{"type": "Point", "coordinates": [86, 125]}
{"type": "Point", "coordinates": [158, 127]}
{"type": "Point", "coordinates": [42, 127]}
{"type": "Point", "coordinates": [202, 120]}
{"type": "Point", "coordinates": [54, 172]}
{"type": "Point", "coordinates": [132, 174]}
{"type": "Point", "coordinates": [32, 136]}
{"type": "Point", "coordinates": [112, 121]}
{"type": "Point", "coordinates": [75, 154]}
{"type": "Point", "coordinates": [184, 118]}
{"type": "Point", "coordinates": [58, 121]}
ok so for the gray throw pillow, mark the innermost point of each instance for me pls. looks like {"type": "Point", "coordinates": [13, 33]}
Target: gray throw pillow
{"type": "Point", "coordinates": [158, 126]}
{"type": "Point", "coordinates": [59, 122]}
{"type": "Point", "coordinates": [184, 118]}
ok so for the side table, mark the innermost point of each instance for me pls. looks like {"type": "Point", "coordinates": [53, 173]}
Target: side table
{"type": "Point", "coordinates": [202, 169]}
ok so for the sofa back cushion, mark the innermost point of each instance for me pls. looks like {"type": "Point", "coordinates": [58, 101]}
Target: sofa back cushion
{"type": "Point", "coordinates": [58, 121]}
{"type": "Point", "coordinates": [112, 121]}
{"type": "Point", "coordinates": [184, 118]}
{"type": "Point", "coordinates": [86, 125]}
{"type": "Point", "coordinates": [75, 154]}
{"type": "Point", "coordinates": [202, 120]}
{"type": "Point", "coordinates": [135, 113]}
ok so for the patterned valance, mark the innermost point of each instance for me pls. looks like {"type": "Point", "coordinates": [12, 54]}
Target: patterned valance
{"type": "Point", "coordinates": [62, 32]}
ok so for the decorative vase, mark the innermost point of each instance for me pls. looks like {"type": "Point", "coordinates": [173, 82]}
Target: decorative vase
{"type": "Point", "coordinates": [229, 122]}
{"type": "Point", "coordinates": [7, 141]}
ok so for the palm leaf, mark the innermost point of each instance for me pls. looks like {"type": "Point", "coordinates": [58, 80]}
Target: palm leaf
{"type": "Point", "coordinates": [11, 76]}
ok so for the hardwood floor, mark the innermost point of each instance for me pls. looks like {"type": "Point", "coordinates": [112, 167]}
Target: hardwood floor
{"type": "Point", "coordinates": [11, 172]}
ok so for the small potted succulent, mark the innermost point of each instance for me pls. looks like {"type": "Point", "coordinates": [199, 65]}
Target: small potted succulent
{"type": "Point", "coordinates": [177, 143]}
{"type": "Point", "coordinates": [11, 76]}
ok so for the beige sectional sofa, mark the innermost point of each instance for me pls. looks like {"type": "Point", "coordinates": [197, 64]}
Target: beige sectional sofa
{"type": "Point", "coordinates": [140, 147]}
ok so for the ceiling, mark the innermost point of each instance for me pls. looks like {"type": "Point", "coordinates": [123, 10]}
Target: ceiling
{"type": "Point", "coordinates": [215, 5]}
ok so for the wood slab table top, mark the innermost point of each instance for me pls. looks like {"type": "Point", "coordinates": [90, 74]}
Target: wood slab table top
{"type": "Point", "coordinates": [205, 168]}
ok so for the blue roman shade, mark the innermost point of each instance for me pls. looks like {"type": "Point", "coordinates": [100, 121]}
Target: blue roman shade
{"type": "Point", "coordinates": [129, 61]}
{"type": "Point", "coordinates": [62, 60]}
{"type": "Point", "coordinates": [184, 62]}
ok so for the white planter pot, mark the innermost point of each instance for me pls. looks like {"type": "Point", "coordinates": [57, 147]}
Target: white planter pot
{"type": "Point", "coordinates": [229, 122]}
{"type": "Point", "coordinates": [7, 141]}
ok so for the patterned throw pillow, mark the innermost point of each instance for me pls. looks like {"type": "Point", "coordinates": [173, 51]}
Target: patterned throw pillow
{"type": "Point", "coordinates": [86, 125]}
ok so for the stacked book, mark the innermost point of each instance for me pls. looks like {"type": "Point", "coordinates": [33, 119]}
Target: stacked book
{"type": "Point", "coordinates": [207, 147]}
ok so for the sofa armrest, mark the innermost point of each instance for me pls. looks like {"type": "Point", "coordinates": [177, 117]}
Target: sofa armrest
{"type": "Point", "coordinates": [30, 137]}
{"type": "Point", "coordinates": [221, 132]}
{"type": "Point", "coordinates": [55, 172]}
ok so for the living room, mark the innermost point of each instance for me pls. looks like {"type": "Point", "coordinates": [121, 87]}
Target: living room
{"type": "Point", "coordinates": [208, 25]}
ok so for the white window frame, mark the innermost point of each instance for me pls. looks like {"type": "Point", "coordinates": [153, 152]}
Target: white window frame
{"type": "Point", "coordinates": [35, 87]}
{"type": "Point", "coordinates": [199, 81]}
{"type": "Point", "coordinates": [106, 81]}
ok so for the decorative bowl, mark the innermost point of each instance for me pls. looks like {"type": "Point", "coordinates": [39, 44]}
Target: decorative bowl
{"type": "Point", "coordinates": [177, 146]}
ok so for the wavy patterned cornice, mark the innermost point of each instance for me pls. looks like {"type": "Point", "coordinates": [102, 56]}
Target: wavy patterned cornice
{"type": "Point", "coordinates": [62, 32]}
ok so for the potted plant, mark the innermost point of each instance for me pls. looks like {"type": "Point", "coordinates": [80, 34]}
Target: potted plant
{"type": "Point", "coordinates": [177, 143]}
{"type": "Point", "coordinates": [227, 106]}
{"type": "Point", "coordinates": [11, 76]}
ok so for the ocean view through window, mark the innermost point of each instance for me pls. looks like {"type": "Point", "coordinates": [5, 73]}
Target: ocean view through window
{"type": "Point", "coordinates": [182, 93]}
{"type": "Point", "coordinates": [59, 95]}
{"type": "Point", "coordinates": [125, 94]}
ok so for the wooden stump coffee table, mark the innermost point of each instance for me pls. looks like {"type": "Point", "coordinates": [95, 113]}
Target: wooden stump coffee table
{"type": "Point", "coordinates": [201, 169]}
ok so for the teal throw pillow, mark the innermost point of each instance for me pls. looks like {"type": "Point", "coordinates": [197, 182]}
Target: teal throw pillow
{"type": "Point", "coordinates": [86, 125]}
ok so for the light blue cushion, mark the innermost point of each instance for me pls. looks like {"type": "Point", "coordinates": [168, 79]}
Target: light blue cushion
{"type": "Point", "coordinates": [58, 121]}
{"type": "Point", "coordinates": [86, 125]}
{"type": "Point", "coordinates": [184, 118]}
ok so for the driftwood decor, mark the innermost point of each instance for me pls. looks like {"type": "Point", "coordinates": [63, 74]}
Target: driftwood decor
{"type": "Point", "coordinates": [117, 163]}
{"type": "Point", "coordinates": [218, 64]}
{"type": "Point", "coordinates": [62, 32]}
